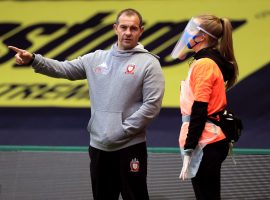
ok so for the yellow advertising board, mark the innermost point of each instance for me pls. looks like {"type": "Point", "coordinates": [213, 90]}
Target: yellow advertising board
{"type": "Point", "coordinates": [64, 30]}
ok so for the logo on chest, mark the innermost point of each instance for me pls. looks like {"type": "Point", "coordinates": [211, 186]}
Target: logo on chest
{"type": "Point", "coordinates": [130, 69]}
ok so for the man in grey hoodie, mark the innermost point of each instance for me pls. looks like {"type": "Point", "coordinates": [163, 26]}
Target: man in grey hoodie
{"type": "Point", "coordinates": [126, 87]}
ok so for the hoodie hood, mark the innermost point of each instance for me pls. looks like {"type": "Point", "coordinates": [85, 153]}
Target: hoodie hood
{"type": "Point", "coordinates": [138, 49]}
{"type": "Point", "coordinates": [225, 66]}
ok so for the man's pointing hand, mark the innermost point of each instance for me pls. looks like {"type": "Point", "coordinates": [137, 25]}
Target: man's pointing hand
{"type": "Point", "coordinates": [23, 57]}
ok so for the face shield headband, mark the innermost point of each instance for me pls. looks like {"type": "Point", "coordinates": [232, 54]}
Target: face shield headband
{"type": "Point", "coordinates": [211, 35]}
{"type": "Point", "coordinates": [184, 45]}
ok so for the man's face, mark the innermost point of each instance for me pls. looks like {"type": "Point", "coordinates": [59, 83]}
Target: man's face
{"type": "Point", "coordinates": [128, 31]}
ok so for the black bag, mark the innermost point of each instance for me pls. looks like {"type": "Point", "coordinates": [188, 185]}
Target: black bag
{"type": "Point", "coordinates": [230, 124]}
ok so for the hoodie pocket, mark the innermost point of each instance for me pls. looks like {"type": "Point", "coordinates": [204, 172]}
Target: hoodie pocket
{"type": "Point", "coordinates": [106, 127]}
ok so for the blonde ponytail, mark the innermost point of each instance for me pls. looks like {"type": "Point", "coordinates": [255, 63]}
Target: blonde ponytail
{"type": "Point", "coordinates": [226, 49]}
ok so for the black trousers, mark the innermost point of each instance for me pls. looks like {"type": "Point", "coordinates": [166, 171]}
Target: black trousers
{"type": "Point", "coordinates": [119, 172]}
{"type": "Point", "coordinates": [206, 183]}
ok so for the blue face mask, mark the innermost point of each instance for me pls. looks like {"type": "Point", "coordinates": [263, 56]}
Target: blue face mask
{"type": "Point", "coordinates": [187, 37]}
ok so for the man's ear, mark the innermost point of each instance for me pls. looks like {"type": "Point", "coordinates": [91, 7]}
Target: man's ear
{"type": "Point", "coordinates": [115, 28]}
{"type": "Point", "coordinates": [142, 30]}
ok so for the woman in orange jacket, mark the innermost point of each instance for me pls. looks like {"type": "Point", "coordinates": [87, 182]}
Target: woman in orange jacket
{"type": "Point", "coordinates": [213, 70]}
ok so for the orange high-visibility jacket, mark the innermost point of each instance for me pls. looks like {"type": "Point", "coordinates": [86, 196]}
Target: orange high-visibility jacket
{"type": "Point", "coordinates": [204, 83]}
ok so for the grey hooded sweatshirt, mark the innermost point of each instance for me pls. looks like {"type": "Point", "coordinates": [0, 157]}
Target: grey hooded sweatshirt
{"type": "Point", "coordinates": [126, 88]}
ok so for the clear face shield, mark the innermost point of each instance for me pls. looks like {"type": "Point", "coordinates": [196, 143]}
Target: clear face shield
{"type": "Point", "coordinates": [187, 40]}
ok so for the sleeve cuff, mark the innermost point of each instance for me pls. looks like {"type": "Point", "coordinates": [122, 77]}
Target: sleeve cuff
{"type": "Point", "coordinates": [33, 58]}
{"type": "Point", "coordinates": [188, 152]}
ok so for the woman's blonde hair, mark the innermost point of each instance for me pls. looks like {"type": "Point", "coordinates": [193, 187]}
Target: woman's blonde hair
{"type": "Point", "coordinates": [221, 28]}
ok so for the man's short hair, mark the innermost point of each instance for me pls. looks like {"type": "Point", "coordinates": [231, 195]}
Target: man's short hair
{"type": "Point", "coordinates": [129, 12]}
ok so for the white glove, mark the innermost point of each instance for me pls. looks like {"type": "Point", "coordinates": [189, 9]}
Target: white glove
{"type": "Point", "coordinates": [184, 171]}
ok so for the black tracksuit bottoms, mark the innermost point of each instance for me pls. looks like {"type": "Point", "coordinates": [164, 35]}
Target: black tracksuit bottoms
{"type": "Point", "coordinates": [206, 183]}
{"type": "Point", "coordinates": [119, 172]}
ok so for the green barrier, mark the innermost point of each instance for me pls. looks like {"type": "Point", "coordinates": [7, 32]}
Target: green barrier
{"type": "Point", "coordinates": [237, 151]}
